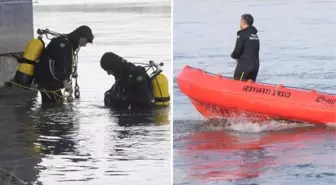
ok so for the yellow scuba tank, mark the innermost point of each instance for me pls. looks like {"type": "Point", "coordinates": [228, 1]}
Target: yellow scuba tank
{"type": "Point", "coordinates": [161, 90]}
{"type": "Point", "coordinates": [25, 73]}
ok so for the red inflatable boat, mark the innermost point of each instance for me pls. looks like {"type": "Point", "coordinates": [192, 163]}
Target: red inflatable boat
{"type": "Point", "coordinates": [217, 96]}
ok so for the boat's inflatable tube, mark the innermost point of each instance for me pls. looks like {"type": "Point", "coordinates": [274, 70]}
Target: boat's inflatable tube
{"type": "Point", "coordinates": [218, 96]}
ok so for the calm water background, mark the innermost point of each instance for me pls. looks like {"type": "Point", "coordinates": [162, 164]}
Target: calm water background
{"type": "Point", "coordinates": [85, 143]}
{"type": "Point", "coordinates": [298, 44]}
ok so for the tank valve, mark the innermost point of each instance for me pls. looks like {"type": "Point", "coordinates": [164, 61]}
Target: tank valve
{"type": "Point", "coordinates": [77, 93]}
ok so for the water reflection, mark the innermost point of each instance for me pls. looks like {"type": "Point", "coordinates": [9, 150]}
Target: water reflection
{"type": "Point", "coordinates": [138, 126]}
{"type": "Point", "coordinates": [55, 125]}
{"type": "Point", "coordinates": [42, 131]}
{"type": "Point", "coordinates": [18, 154]}
{"type": "Point", "coordinates": [57, 143]}
{"type": "Point", "coordinates": [222, 155]}
{"type": "Point", "coordinates": [158, 116]}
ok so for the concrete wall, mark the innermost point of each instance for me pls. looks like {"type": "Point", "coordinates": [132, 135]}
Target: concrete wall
{"type": "Point", "coordinates": [16, 29]}
{"type": "Point", "coordinates": [16, 25]}
{"type": "Point", "coordinates": [8, 66]}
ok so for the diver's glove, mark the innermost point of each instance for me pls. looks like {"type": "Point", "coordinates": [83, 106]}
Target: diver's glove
{"type": "Point", "coordinates": [67, 86]}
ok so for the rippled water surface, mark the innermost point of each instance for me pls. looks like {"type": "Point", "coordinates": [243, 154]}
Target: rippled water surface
{"type": "Point", "coordinates": [83, 142]}
{"type": "Point", "coordinates": [298, 44]}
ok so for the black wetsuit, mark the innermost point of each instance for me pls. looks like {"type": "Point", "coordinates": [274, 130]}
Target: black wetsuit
{"type": "Point", "coordinates": [53, 67]}
{"type": "Point", "coordinates": [132, 90]}
{"type": "Point", "coordinates": [246, 52]}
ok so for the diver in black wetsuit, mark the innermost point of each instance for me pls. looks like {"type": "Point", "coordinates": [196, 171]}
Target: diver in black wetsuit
{"type": "Point", "coordinates": [246, 50]}
{"type": "Point", "coordinates": [53, 70]}
{"type": "Point", "coordinates": [132, 89]}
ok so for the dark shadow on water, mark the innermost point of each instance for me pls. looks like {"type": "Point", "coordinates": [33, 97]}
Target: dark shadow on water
{"type": "Point", "coordinates": [18, 154]}
{"type": "Point", "coordinates": [157, 116]}
{"type": "Point", "coordinates": [55, 131]}
{"type": "Point", "coordinates": [30, 133]}
{"type": "Point", "coordinates": [134, 131]}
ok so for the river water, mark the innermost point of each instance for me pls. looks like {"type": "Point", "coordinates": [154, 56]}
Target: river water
{"type": "Point", "coordinates": [83, 142]}
{"type": "Point", "coordinates": [298, 43]}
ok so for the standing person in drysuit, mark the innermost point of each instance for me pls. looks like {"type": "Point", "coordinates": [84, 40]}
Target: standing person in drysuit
{"type": "Point", "coordinates": [246, 51]}
{"type": "Point", "coordinates": [54, 68]}
{"type": "Point", "coordinates": [132, 89]}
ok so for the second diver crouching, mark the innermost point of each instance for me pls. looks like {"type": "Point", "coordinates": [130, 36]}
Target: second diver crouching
{"type": "Point", "coordinates": [132, 90]}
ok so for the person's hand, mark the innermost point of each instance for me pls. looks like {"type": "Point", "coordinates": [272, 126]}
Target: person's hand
{"type": "Point", "coordinates": [67, 86]}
